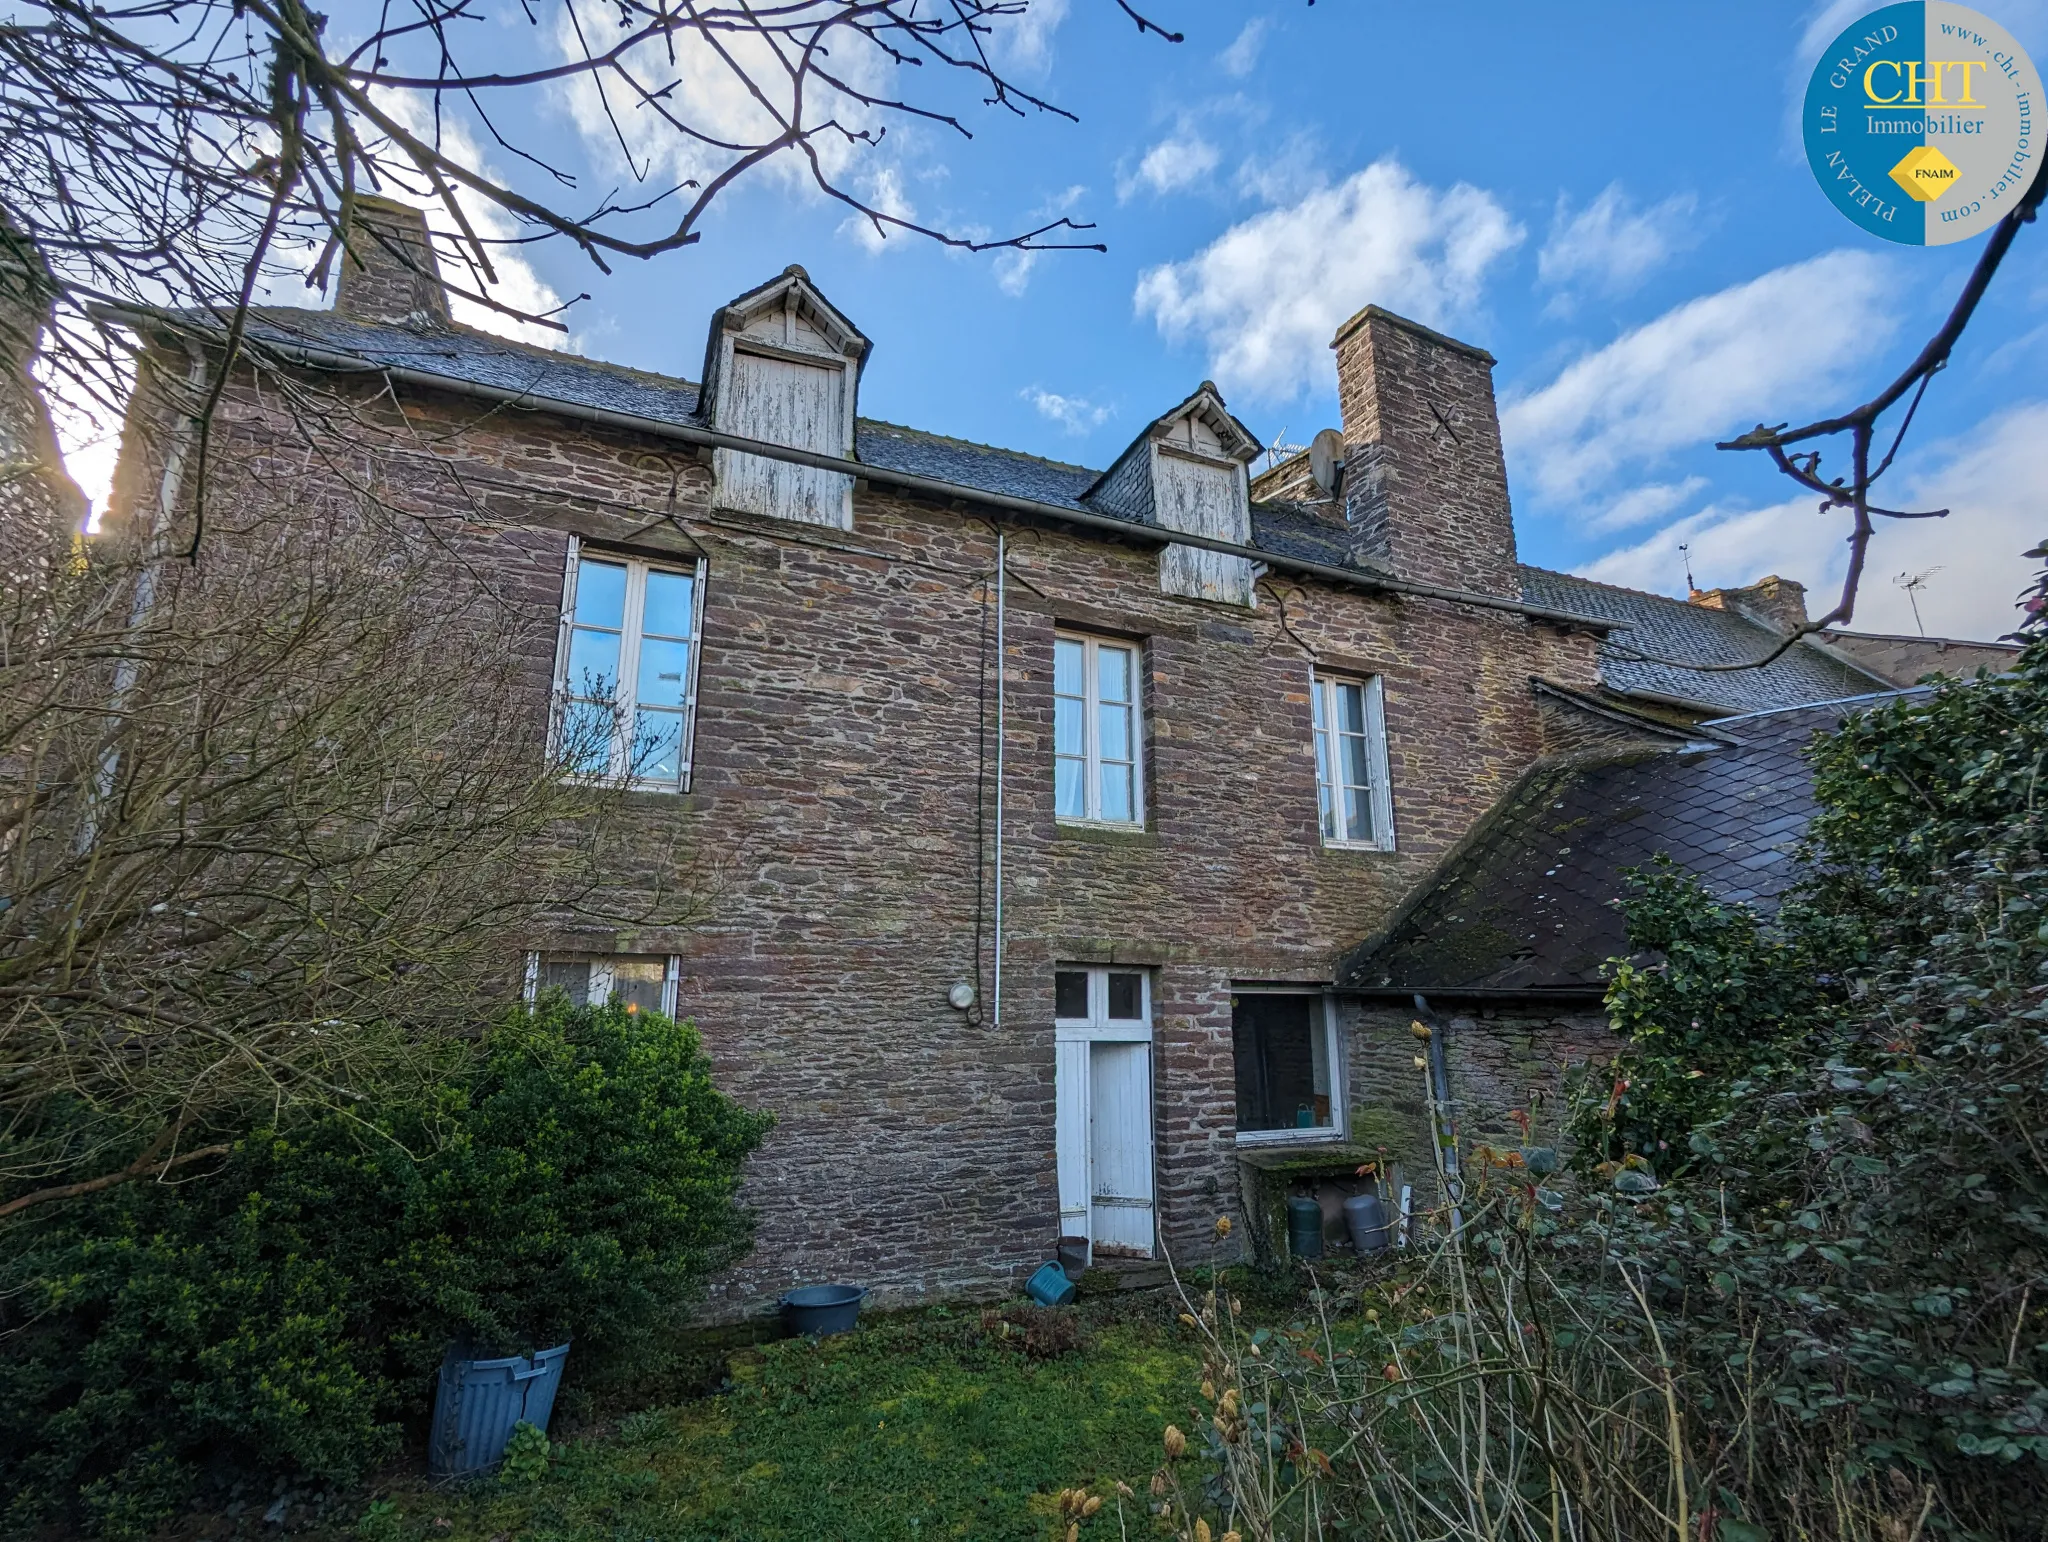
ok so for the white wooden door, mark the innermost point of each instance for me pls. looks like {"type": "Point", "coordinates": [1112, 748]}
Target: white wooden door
{"type": "Point", "coordinates": [1120, 1148]}
{"type": "Point", "coordinates": [784, 402]}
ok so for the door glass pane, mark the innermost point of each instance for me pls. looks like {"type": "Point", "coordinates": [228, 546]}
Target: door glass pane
{"type": "Point", "coordinates": [601, 594]}
{"type": "Point", "coordinates": [1070, 993]}
{"type": "Point", "coordinates": [1070, 789]}
{"type": "Point", "coordinates": [1113, 672]}
{"type": "Point", "coordinates": [664, 669]}
{"type": "Point", "coordinates": [1067, 668]}
{"type": "Point", "coordinates": [1067, 726]}
{"type": "Point", "coordinates": [1116, 793]}
{"type": "Point", "coordinates": [594, 664]}
{"type": "Point", "coordinates": [658, 747]}
{"type": "Point", "coordinates": [1277, 1059]}
{"type": "Point", "coordinates": [666, 612]}
{"type": "Point", "coordinates": [1127, 997]}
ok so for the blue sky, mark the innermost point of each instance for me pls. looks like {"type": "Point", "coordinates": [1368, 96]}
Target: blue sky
{"type": "Point", "coordinates": [1608, 196]}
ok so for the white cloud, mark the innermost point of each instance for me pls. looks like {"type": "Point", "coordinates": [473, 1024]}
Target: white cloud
{"type": "Point", "coordinates": [1989, 479]}
{"type": "Point", "coordinates": [1610, 245]}
{"type": "Point", "coordinates": [1290, 172]}
{"type": "Point", "coordinates": [1267, 295]}
{"type": "Point", "coordinates": [1014, 266]}
{"type": "Point", "coordinates": [1640, 505]}
{"type": "Point", "coordinates": [1760, 350]}
{"type": "Point", "coordinates": [1242, 56]}
{"type": "Point", "coordinates": [1178, 161]}
{"type": "Point", "coordinates": [1023, 41]}
{"type": "Point", "coordinates": [883, 190]}
{"type": "Point", "coordinates": [1074, 414]}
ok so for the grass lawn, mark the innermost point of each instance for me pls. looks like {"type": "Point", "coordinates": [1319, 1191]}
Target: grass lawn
{"type": "Point", "coordinates": [934, 1425]}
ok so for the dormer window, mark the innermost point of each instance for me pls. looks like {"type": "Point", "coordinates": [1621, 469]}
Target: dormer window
{"type": "Point", "coordinates": [1187, 472]}
{"type": "Point", "coordinates": [783, 366]}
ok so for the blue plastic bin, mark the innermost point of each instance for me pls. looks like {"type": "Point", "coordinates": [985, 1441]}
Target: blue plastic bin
{"type": "Point", "coordinates": [479, 1402]}
{"type": "Point", "coordinates": [1050, 1286]}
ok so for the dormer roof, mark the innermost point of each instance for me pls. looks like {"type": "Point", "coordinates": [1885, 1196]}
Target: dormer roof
{"type": "Point", "coordinates": [812, 324]}
{"type": "Point", "coordinates": [1215, 432]}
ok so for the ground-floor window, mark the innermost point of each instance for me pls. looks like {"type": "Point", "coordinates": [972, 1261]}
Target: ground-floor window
{"type": "Point", "coordinates": [641, 982]}
{"type": "Point", "coordinates": [1289, 1082]}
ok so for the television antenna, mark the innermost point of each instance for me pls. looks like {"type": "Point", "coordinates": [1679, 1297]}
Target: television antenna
{"type": "Point", "coordinates": [1685, 552]}
{"type": "Point", "coordinates": [1913, 583]}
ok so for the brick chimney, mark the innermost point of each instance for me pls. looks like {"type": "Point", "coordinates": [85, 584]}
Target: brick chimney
{"type": "Point", "coordinates": [388, 273]}
{"type": "Point", "coordinates": [1425, 487]}
{"type": "Point", "coordinates": [1779, 603]}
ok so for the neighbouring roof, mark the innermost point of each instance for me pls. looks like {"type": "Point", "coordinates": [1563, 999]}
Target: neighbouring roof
{"type": "Point", "coordinates": [1654, 627]}
{"type": "Point", "coordinates": [1529, 903]}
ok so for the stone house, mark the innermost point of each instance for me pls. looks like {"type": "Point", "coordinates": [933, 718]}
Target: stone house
{"type": "Point", "coordinates": [1054, 804]}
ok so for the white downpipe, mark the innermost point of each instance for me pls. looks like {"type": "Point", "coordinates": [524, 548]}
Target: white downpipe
{"type": "Point", "coordinates": [1002, 575]}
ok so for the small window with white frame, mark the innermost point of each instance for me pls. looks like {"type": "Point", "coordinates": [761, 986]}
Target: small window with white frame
{"type": "Point", "coordinates": [1102, 998]}
{"type": "Point", "coordinates": [1356, 804]}
{"type": "Point", "coordinates": [1289, 1065]}
{"type": "Point", "coordinates": [641, 982]}
{"type": "Point", "coordinates": [1098, 749]}
{"type": "Point", "coordinates": [626, 671]}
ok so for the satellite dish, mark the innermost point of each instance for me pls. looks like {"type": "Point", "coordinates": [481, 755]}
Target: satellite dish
{"type": "Point", "coordinates": [1326, 460]}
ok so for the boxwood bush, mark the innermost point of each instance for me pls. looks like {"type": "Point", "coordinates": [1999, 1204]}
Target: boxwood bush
{"type": "Point", "coordinates": [284, 1317]}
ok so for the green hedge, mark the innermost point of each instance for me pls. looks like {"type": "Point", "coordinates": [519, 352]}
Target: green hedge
{"type": "Point", "coordinates": [286, 1316]}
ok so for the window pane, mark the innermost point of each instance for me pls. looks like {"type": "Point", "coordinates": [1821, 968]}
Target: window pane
{"type": "Point", "coordinates": [1317, 690]}
{"type": "Point", "coordinates": [594, 664]}
{"type": "Point", "coordinates": [1116, 793]}
{"type": "Point", "coordinates": [1067, 726]}
{"type": "Point", "coordinates": [1067, 667]}
{"type": "Point", "coordinates": [1113, 732]}
{"type": "Point", "coordinates": [588, 729]}
{"type": "Point", "coordinates": [1357, 814]}
{"type": "Point", "coordinates": [1113, 673]}
{"type": "Point", "coordinates": [1355, 761]}
{"type": "Point", "coordinates": [637, 982]}
{"type": "Point", "coordinates": [1328, 810]}
{"type": "Point", "coordinates": [601, 594]}
{"type": "Point", "coordinates": [1351, 708]}
{"type": "Point", "coordinates": [664, 670]}
{"type": "Point", "coordinates": [658, 747]}
{"type": "Point", "coordinates": [1127, 996]}
{"type": "Point", "coordinates": [1070, 993]}
{"type": "Point", "coordinates": [1276, 1054]}
{"type": "Point", "coordinates": [666, 612]}
{"type": "Point", "coordinates": [569, 975]}
{"type": "Point", "coordinates": [1070, 788]}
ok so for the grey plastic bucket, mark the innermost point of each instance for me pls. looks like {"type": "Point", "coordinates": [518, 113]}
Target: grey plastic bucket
{"type": "Point", "coordinates": [823, 1310]}
{"type": "Point", "coordinates": [1072, 1252]}
{"type": "Point", "coordinates": [479, 1402]}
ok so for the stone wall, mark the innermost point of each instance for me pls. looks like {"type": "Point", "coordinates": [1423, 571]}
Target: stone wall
{"type": "Point", "coordinates": [843, 769]}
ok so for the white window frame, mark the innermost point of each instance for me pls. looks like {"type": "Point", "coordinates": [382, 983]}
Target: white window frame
{"type": "Point", "coordinates": [601, 976]}
{"type": "Point", "coordinates": [1334, 1047]}
{"type": "Point", "coordinates": [630, 638]}
{"type": "Point", "coordinates": [1091, 730]}
{"type": "Point", "coordinates": [1098, 1027]}
{"type": "Point", "coordinates": [1324, 740]}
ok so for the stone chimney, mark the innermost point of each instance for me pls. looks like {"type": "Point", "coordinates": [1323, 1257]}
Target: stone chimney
{"type": "Point", "coordinates": [1779, 603]}
{"type": "Point", "coordinates": [1425, 488]}
{"type": "Point", "coordinates": [388, 273]}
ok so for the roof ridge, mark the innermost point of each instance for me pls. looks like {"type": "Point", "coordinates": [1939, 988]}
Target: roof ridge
{"type": "Point", "coordinates": [1832, 701]}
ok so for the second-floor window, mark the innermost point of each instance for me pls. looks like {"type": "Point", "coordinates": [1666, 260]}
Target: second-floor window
{"type": "Point", "coordinates": [627, 680]}
{"type": "Point", "coordinates": [1351, 763]}
{"type": "Point", "coordinates": [1097, 756]}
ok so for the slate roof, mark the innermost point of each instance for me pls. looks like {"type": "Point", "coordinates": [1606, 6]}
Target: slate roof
{"type": "Point", "coordinates": [1529, 904]}
{"type": "Point", "coordinates": [1654, 626]}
